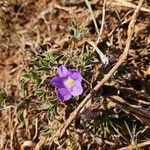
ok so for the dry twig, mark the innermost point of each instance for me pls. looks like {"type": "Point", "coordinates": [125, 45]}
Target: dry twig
{"type": "Point", "coordinates": [139, 145]}
{"type": "Point", "coordinates": [102, 24]}
{"type": "Point", "coordinates": [125, 3]}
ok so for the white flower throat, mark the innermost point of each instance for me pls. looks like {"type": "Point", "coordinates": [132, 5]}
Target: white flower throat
{"type": "Point", "coordinates": [69, 83]}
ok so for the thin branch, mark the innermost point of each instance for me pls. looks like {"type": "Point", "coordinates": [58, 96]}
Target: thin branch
{"type": "Point", "coordinates": [125, 3]}
{"type": "Point", "coordinates": [139, 145]}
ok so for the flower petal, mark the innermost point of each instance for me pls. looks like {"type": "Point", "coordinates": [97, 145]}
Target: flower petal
{"type": "Point", "coordinates": [76, 75]}
{"type": "Point", "coordinates": [63, 71]}
{"type": "Point", "coordinates": [57, 82]}
{"type": "Point", "coordinates": [77, 89]}
{"type": "Point", "coordinates": [63, 94]}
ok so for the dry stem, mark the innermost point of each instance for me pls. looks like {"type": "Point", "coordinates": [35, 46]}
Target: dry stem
{"type": "Point", "coordinates": [139, 145]}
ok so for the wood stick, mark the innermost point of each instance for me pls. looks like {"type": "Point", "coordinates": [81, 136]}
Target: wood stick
{"type": "Point", "coordinates": [139, 145]}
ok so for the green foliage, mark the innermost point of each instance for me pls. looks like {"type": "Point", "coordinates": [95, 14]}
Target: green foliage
{"type": "Point", "coordinates": [4, 94]}
{"type": "Point", "coordinates": [3, 97]}
{"type": "Point", "coordinates": [132, 135]}
{"type": "Point", "coordinates": [51, 109]}
{"type": "Point", "coordinates": [20, 117]}
{"type": "Point", "coordinates": [77, 32]}
{"type": "Point", "coordinates": [67, 2]}
{"type": "Point", "coordinates": [84, 61]}
{"type": "Point", "coordinates": [45, 62]}
{"type": "Point", "coordinates": [37, 74]}
{"type": "Point", "coordinates": [49, 132]}
{"type": "Point", "coordinates": [31, 76]}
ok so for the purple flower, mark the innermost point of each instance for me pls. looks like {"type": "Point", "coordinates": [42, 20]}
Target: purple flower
{"type": "Point", "coordinates": [67, 84]}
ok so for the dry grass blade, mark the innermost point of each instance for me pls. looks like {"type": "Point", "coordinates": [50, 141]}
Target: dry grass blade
{"type": "Point", "coordinates": [91, 12]}
{"type": "Point", "coordinates": [103, 20]}
{"type": "Point", "coordinates": [124, 3]}
{"type": "Point", "coordinates": [139, 145]}
{"type": "Point", "coordinates": [122, 58]}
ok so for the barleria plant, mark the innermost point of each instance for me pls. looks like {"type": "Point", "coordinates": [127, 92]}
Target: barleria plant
{"type": "Point", "coordinates": [37, 74]}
